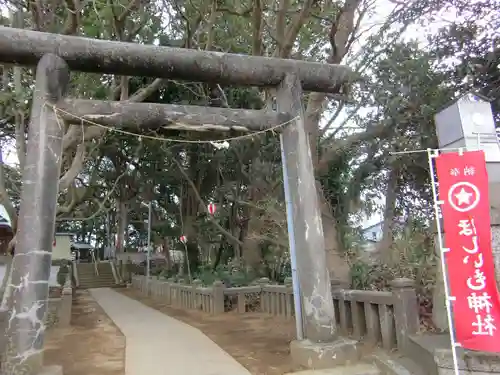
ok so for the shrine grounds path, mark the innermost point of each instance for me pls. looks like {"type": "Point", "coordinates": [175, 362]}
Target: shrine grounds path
{"type": "Point", "coordinates": [157, 344]}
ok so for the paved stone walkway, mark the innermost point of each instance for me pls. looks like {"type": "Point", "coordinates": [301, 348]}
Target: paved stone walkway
{"type": "Point", "coordinates": [157, 344]}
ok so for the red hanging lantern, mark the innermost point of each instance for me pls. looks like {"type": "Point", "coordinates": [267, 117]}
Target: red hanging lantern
{"type": "Point", "coordinates": [211, 209]}
{"type": "Point", "coordinates": [183, 239]}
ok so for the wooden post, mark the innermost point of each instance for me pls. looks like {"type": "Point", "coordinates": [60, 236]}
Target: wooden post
{"type": "Point", "coordinates": [318, 311]}
{"type": "Point", "coordinates": [32, 259]}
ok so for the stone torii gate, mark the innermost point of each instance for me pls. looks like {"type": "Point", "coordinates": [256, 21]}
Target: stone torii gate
{"type": "Point", "coordinates": [54, 56]}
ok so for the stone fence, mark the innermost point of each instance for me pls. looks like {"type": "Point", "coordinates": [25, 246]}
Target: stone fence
{"type": "Point", "coordinates": [381, 318]}
{"type": "Point", "coordinates": [59, 309]}
{"type": "Point", "coordinates": [60, 303]}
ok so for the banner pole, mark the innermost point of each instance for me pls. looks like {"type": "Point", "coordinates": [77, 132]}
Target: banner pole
{"type": "Point", "coordinates": [431, 154]}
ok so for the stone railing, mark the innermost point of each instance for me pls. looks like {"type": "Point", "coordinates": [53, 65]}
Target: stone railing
{"type": "Point", "coordinates": [59, 309]}
{"type": "Point", "coordinates": [271, 299]}
{"type": "Point", "coordinates": [75, 280]}
{"type": "Point", "coordinates": [60, 303]}
{"type": "Point", "coordinates": [264, 297]}
{"type": "Point", "coordinates": [379, 318]}
{"type": "Point", "coordinates": [196, 297]}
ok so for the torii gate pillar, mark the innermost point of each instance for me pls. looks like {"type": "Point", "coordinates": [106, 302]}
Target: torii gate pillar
{"type": "Point", "coordinates": [322, 348]}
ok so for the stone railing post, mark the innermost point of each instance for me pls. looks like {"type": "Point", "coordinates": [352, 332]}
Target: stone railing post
{"type": "Point", "coordinates": [120, 270]}
{"type": "Point", "coordinates": [74, 274]}
{"type": "Point", "coordinates": [218, 296]}
{"type": "Point", "coordinates": [170, 297]}
{"type": "Point", "coordinates": [144, 286]}
{"type": "Point", "coordinates": [128, 271]}
{"type": "Point", "coordinates": [264, 298]}
{"type": "Point", "coordinates": [405, 310]}
{"type": "Point", "coordinates": [336, 284]}
{"type": "Point", "coordinates": [115, 272]}
{"type": "Point", "coordinates": [196, 296]}
{"type": "Point", "coordinates": [65, 308]}
{"type": "Point", "coordinates": [289, 302]}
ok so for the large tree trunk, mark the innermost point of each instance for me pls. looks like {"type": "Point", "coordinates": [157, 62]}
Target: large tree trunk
{"type": "Point", "coordinates": [341, 31]}
{"type": "Point", "coordinates": [192, 255]}
{"type": "Point", "coordinates": [166, 253]}
{"type": "Point", "coordinates": [385, 245]}
{"type": "Point", "coordinates": [335, 259]}
{"type": "Point", "coordinates": [122, 226]}
{"type": "Point", "coordinates": [252, 255]}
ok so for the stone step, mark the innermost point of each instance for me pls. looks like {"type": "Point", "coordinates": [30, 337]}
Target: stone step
{"type": "Point", "coordinates": [96, 281]}
{"type": "Point", "coordinates": [93, 272]}
{"type": "Point", "coordinates": [392, 364]}
{"type": "Point", "coordinates": [90, 286]}
{"type": "Point", "coordinates": [97, 285]}
{"type": "Point", "coordinates": [358, 369]}
{"type": "Point", "coordinates": [92, 277]}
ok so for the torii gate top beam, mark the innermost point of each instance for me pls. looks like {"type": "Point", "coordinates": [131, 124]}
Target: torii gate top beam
{"type": "Point", "coordinates": [25, 47]}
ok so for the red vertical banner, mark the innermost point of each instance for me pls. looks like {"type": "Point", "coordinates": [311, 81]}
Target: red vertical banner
{"type": "Point", "coordinates": [463, 190]}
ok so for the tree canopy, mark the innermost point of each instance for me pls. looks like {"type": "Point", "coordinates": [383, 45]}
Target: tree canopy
{"type": "Point", "coordinates": [414, 58]}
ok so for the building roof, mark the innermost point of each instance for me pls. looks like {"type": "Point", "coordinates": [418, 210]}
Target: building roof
{"type": "Point", "coordinates": [81, 246]}
{"type": "Point", "coordinates": [371, 226]}
{"type": "Point", "coordinates": [4, 217]}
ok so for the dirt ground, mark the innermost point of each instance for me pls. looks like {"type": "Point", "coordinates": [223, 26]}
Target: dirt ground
{"type": "Point", "coordinates": [259, 342]}
{"type": "Point", "coordinates": [93, 345]}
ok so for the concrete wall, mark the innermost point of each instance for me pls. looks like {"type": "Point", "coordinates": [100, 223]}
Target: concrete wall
{"type": "Point", "coordinates": [62, 250]}
{"type": "Point", "coordinates": [373, 233]}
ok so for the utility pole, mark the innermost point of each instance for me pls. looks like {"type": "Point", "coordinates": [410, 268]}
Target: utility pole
{"type": "Point", "coordinates": [148, 253]}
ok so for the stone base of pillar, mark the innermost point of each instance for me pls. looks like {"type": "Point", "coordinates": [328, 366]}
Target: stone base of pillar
{"type": "Point", "coordinates": [313, 355]}
{"type": "Point", "coordinates": [433, 353]}
{"type": "Point", "coordinates": [469, 362]}
{"type": "Point", "coordinates": [51, 370]}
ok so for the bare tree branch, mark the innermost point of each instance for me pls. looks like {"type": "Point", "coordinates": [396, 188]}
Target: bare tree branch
{"type": "Point", "coordinates": [76, 166]}
{"type": "Point", "coordinates": [73, 19]}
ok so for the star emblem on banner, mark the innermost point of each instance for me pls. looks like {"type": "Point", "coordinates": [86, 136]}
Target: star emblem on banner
{"type": "Point", "coordinates": [463, 196]}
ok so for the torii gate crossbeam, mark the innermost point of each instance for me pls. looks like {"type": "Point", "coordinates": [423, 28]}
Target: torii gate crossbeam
{"type": "Point", "coordinates": [55, 56]}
